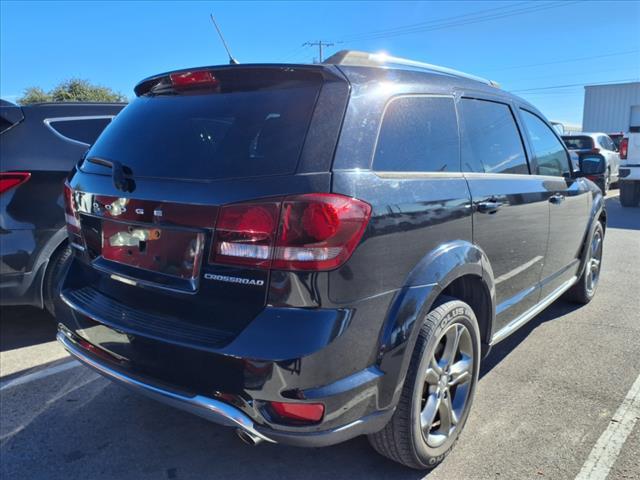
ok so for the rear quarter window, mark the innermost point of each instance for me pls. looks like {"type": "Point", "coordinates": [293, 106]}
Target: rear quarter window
{"type": "Point", "coordinates": [84, 130]}
{"type": "Point", "coordinates": [418, 134]}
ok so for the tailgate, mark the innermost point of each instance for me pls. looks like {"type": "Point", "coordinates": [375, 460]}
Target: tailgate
{"type": "Point", "coordinates": [143, 205]}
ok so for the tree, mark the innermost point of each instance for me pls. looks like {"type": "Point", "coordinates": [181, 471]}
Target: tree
{"type": "Point", "coordinates": [34, 95]}
{"type": "Point", "coordinates": [72, 90]}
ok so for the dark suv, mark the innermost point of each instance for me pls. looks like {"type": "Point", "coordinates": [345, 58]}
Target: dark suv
{"type": "Point", "coordinates": [312, 252]}
{"type": "Point", "coordinates": [39, 144]}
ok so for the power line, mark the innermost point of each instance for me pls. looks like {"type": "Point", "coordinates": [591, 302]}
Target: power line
{"type": "Point", "coordinates": [294, 53]}
{"type": "Point", "coordinates": [555, 62]}
{"type": "Point", "coordinates": [429, 22]}
{"type": "Point", "coordinates": [447, 23]}
{"type": "Point", "coordinates": [554, 87]}
{"type": "Point", "coordinates": [577, 74]}
{"type": "Point", "coordinates": [319, 44]}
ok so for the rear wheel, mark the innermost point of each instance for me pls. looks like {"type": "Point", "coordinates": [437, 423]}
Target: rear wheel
{"type": "Point", "coordinates": [585, 288]}
{"type": "Point", "coordinates": [53, 277]}
{"type": "Point", "coordinates": [438, 390]}
{"type": "Point", "coordinates": [629, 193]}
{"type": "Point", "coordinates": [607, 182]}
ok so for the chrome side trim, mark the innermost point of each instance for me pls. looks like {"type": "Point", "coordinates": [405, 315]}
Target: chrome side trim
{"type": "Point", "coordinates": [515, 324]}
{"type": "Point", "coordinates": [205, 407]}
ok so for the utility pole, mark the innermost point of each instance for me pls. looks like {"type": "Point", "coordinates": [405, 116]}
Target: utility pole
{"type": "Point", "coordinates": [318, 44]}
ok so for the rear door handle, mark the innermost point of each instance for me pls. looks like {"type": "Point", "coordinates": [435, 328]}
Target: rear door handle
{"type": "Point", "coordinates": [556, 199]}
{"type": "Point", "coordinates": [488, 206]}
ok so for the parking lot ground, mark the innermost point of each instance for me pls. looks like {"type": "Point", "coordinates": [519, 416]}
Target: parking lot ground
{"type": "Point", "coordinates": [546, 396]}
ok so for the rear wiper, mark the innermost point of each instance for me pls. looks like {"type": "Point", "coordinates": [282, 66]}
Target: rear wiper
{"type": "Point", "coordinates": [121, 174]}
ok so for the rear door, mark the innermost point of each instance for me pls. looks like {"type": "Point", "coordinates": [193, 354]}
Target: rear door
{"type": "Point", "coordinates": [568, 202]}
{"type": "Point", "coordinates": [511, 218]}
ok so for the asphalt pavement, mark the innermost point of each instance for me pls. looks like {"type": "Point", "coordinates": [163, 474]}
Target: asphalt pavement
{"type": "Point", "coordinates": [554, 400]}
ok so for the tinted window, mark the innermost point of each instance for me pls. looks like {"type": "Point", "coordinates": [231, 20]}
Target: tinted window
{"type": "Point", "coordinates": [491, 142]}
{"type": "Point", "coordinates": [211, 135]}
{"type": "Point", "coordinates": [81, 130]}
{"type": "Point", "coordinates": [578, 143]}
{"type": "Point", "coordinates": [551, 157]}
{"type": "Point", "coordinates": [418, 134]}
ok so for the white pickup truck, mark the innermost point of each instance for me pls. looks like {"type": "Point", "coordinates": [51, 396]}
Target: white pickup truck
{"type": "Point", "coordinates": [630, 168]}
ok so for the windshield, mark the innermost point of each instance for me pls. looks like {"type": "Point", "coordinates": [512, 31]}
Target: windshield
{"type": "Point", "coordinates": [578, 143]}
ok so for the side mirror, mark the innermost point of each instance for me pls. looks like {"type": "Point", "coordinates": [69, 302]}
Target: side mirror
{"type": "Point", "coordinates": [592, 165]}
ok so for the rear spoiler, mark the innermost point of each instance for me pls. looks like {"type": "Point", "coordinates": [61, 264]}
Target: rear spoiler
{"type": "Point", "coordinates": [228, 71]}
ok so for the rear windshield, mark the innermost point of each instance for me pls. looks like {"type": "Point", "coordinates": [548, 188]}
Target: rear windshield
{"type": "Point", "coordinates": [578, 143]}
{"type": "Point", "coordinates": [228, 134]}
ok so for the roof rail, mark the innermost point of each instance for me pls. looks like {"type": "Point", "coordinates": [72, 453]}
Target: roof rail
{"type": "Point", "coordinates": [366, 59]}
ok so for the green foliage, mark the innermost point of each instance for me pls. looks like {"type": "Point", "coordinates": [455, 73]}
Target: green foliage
{"type": "Point", "coordinates": [72, 90]}
{"type": "Point", "coordinates": [34, 95]}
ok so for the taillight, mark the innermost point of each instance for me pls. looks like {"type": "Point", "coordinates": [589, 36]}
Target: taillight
{"type": "Point", "coordinates": [9, 180]}
{"type": "Point", "coordinates": [299, 412]}
{"type": "Point", "coordinates": [70, 211]}
{"type": "Point", "coordinates": [317, 231]}
{"type": "Point", "coordinates": [595, 150]}
{"type": "Point", "coordinates": [194, 79]}
{"type": "Point", "coordinates": [624, 148]}
{"type": "Point", "coordinates": [245, 234]}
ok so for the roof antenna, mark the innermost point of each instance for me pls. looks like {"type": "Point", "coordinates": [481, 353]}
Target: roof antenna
{"type": "Point", "coordinates": [232, 61]}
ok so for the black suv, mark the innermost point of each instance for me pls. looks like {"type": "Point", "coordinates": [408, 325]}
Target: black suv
{"type": "Point", "coordinates": [39, 144]}
{"type": "Point", "coordinates": [312, 252]}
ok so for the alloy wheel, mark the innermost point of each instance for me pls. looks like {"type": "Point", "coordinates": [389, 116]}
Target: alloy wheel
{"type": "Point", "coordinates": [595, 260]}
{"type": "Point", "coordinates": [447, 385]}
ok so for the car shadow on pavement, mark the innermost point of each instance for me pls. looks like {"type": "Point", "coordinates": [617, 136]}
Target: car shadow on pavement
{"type": "Point", "coordinates": [24, 327]}
{"type": "Point", "coordinates": [622, 217]}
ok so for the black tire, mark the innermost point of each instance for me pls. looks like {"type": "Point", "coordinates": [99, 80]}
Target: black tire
{"type": "Point", "coordinates": [584, 289]}
{"type": "Point", "coordinates": [56, 268]}
{"type": "Point", "coordinates": [403, 439]}
{"type": "Point", "coordinates": [629, 193]}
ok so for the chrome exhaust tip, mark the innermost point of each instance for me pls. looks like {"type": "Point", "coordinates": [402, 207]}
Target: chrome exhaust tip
{"type": "Point", "coordinates": [248, 438]}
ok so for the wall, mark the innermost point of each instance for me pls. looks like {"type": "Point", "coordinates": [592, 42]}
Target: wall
{"type": "Point", "coordinates": [607, 108]}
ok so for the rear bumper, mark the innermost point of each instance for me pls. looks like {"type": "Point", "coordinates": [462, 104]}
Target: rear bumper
{"type": "Point", "coordinates": [630, 172]}
{"type": "Point", "coordinates": [220, 412]}
{"type": "Point", "coordinates": [208, 408]}
{"type": "Point", "coordinates": [284, 354]}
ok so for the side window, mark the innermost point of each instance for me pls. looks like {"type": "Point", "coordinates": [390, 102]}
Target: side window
{"type": "Point", "coordinates": [491, 142]}
{"type": "Point", "coordinates": [81, 130]}
{"type": "Point", "coordinates": [418, 134]}
{"type": "Point", "coordinates": [608, 144]}
{"type": "Point", "coordinates": [602, 142]}
{"type": "Point", "coordinates": [551, 157]}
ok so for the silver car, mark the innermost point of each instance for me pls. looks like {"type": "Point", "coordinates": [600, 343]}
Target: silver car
{"type": "Point", "coordinates": [597, 143]}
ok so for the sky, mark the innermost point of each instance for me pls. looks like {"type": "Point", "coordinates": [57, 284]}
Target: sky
{"type": "Point", "coordinates": [544, 51]}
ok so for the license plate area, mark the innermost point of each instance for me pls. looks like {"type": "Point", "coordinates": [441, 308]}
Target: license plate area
{"type": "Point", "coordinates": [152, 253]}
